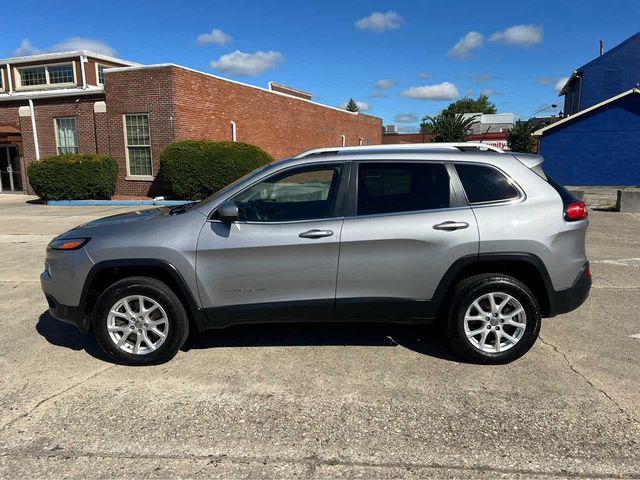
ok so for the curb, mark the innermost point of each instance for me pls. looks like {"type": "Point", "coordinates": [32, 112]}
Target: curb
{"type": "Point", "coordinates": [78, 203]}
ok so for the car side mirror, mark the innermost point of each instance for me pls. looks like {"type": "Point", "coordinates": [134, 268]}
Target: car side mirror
{"type": "Point", "coordinates": [228, 211]}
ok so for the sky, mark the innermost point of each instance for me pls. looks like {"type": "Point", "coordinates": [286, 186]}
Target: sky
{"type": "Point", "coordinates": [400, 60]}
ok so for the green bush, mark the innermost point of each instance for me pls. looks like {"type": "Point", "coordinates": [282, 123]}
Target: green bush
{"type": "Point", "coordinates": [194, 169]}
{"type": "Point", "coordinates": [74, 177]}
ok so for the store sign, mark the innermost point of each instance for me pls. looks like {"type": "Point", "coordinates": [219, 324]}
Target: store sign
{"type": "Point", "coordinates": [497, 143]}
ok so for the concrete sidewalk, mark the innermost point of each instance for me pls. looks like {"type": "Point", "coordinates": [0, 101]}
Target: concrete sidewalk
{"type": "Point", "coordinates": [318, 401]}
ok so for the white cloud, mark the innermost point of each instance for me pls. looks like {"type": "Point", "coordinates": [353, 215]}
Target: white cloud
{"type": "Point", "coordinates": [465, 45]}
{"type": "Point", "coordinates": [546, 80]}
{"type": "Point", "coordinates": [520, 35]}
{"type": "Point", "coordinates": [384, 84]}
{"type": "Point", "coordinates": [363, 106]}
{"type": "Point", "coordinates": [379, 22]}
{"type": "Point", "coordinates": [425, 75]}
{"type": "Point", "coordinates": [408, 129]}
{"type": "Point", "coordinates": [438, 91]}
{"type": "Point", "coordinates": [68, 44]}
{"type": "Point", "coordinates": [377, 95]}
{"type": "Point", "coordinates": [490, 92]}
{"type": "Point", "coordinates": [481, 77]}
{"type": "Point", "coordinates": [77, 43]}
{"type": "Point", "coordinates": [406, 118]}
{"type": "Point", "coordinates": [217, 37]}
{"type": "Point", "coordinates": [245, 64]}
{"type": "Point", "coordinates": [560, 83]}
{"type": "Point", "coordinates": [25, 48]}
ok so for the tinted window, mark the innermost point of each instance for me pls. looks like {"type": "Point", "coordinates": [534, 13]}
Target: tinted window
{"type": "Point", "coordinates": [566, 195]}
{"type": "Point", "coordinates": [485, 184]}
{"type": "Point", "coordinates": [300, 194]}
{"type": "Point", "coordinates": [401, 187]}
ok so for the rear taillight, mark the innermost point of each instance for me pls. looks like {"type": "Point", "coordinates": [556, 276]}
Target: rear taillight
{"type": "Point", "coordinates": [587, 272]}
{"type": "Point", "coordinates": [575, 211]}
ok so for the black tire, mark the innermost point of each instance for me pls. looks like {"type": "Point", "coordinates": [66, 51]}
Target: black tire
{"type": "Point", "coordinates": [472, 288]}
{"type": "Point", "coordinates": [177, 328]}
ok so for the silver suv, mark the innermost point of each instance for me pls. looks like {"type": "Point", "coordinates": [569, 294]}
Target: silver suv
{"type": "Point", "coordinates": [476, 238]}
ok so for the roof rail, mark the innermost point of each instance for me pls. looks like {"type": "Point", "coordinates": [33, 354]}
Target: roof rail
{"type": "Point", "coordinates": [460, 146]}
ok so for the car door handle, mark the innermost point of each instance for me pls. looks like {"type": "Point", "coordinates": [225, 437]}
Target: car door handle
{"type": "Point", "coordinates": [316, 234]}
{"type": "Point", "coordinates": [451, 226]}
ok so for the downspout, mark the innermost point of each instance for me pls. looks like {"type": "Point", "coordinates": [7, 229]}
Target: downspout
{"type": "Point", "coordinates": [83, 60]}
{"type": "Point", "coordinates": [35, 131]}
{"type": "Point", "coordinates": [9, 79]}
{"type": "Point", "coordinates": [233, 131]}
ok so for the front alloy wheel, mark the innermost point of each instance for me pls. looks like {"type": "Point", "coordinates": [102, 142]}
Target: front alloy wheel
{"type": "Point", "coordinates": [140, 321]}
{"type": "Point", "coordinates": [137, 324]}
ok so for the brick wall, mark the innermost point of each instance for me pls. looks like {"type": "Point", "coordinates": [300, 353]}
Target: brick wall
{"type": "Point", "coordinates": [281, 125]}
{"type": "Point", "coordinates": [147, 90]}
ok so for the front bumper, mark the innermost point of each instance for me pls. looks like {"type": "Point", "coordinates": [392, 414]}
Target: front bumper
{"type": "Point", "coordinates": [72, 315]}
{"type": "Point", "coordinates": [567, 300]}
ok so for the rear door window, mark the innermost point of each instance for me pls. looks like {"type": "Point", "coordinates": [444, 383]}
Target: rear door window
{"type": "Point", "coordinates": [484, 184]}
{"type": "Point", "coordinates": [402, 187]}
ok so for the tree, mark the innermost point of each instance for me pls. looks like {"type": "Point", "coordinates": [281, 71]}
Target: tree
{"type": "Point", "coordinates": [469, 105]}
{"type": "Point", "coordinates": [352, 106]}
{"type": "Point", "coordinates": [448, 127]}
{"type": "Point", "coordinates": [520, 139]}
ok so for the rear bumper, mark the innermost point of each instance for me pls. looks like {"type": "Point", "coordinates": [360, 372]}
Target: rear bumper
{"type": "Point", "coordinates": [567, 300]}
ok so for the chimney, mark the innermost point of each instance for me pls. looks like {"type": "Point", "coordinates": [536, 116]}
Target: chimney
{"type": "Point", "coordinates": [601, 47]}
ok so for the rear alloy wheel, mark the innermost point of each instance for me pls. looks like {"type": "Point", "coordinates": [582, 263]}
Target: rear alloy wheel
{"type": "Point", "coordinates": [493, 319]}
{"type": "Point", "coordinates": [495, 322]}
{"type": "Point", "coordinates": [140, 321]}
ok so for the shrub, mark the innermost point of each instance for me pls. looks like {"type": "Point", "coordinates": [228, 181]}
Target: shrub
{"type": "Point", "coordinates": [194, 169]}
{"type": "Point", "coordinates": [74, 177]}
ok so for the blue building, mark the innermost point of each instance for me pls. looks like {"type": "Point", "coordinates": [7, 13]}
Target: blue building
{"type": "Point", "coordinates": [598, 142]}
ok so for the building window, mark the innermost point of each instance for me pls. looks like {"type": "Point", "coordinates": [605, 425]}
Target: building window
{"type": "Point", "coordinates": [1, 81]}
{"type": "Point", "coordinates": [101, 74]}
{"type": "Point", "coordinates": [59, 74]}
{"type": "Point", "coordinates": [32, 76]}
{"type": "Point", "coordinates": [66, 135]}
{"type": "Point", "coordinates": [138, 142]}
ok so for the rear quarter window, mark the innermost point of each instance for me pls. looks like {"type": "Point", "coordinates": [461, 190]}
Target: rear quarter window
{"type": "Point", "coordinates": [484, 184]}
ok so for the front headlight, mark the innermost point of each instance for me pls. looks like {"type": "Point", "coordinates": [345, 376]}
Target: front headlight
{"type": "Point", "coordinates": [67, 243]}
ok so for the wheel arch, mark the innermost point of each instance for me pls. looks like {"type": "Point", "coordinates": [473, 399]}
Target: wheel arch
{"type": "Point", "coordinates": [107, 272]}
{"type": "Point", "coordinates": [525, 267]}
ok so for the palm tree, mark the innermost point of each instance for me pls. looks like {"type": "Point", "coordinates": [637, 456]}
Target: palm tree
{"type": "Point", "coordinates": [520, 138]}
{"type": "Point", "coordinates": [448, 127]}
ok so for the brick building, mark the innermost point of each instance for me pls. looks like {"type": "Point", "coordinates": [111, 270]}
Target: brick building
{"type": "Point", "coordinates": [83, 102]}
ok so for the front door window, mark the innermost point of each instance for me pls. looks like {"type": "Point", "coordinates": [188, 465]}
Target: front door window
{"type": "Point", "coordinates": [306, 193]}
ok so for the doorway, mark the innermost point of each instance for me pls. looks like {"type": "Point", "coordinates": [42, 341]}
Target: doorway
{"type": "Point", "coordinates": [10, 175]}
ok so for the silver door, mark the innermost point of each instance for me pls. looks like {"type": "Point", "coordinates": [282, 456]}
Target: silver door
{"type": "Point", "coordinates": [259, 270]}
{"type": "Point", "coordinates": [391, 263]}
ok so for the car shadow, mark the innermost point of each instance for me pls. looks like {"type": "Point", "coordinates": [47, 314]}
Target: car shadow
{"type": "Point", "coordinates": [63, 335]}
{"type": "Point", "coordinates": [426, 340]}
